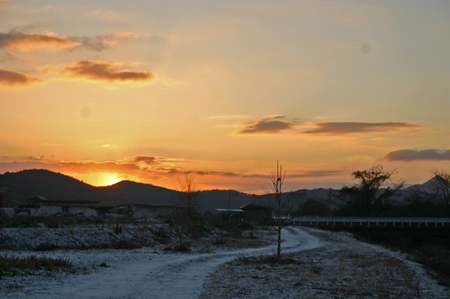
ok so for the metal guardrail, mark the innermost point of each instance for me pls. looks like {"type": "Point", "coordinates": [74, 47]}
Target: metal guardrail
{"type": "Point", "coordinates": [370, 220]}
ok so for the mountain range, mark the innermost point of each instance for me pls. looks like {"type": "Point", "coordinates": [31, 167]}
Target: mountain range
{"type": "Point", "coordinates": [26, 184]}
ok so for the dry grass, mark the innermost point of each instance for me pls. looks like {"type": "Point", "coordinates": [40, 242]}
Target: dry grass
{"type": "Point", "coordinates": [342, 268]}
{"type": "Point", "coordinates": [32, 265]}
{"type": "Point", "coordinates": [247, 239]}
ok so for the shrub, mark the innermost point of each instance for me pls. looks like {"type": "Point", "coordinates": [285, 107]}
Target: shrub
{"type": "Point", "coordinates": [177, 248]}
{"type": "Point", "coordinates": [161, 236]}
{"type": "Point", "coordinates": [12, 266]}
{"type": "Point", "coordinates": [246, 226]}
{"type": "Point", "coordinates": [220, 226]}
{"type": "Point", "coordinates": [219, 242]}
{"type": "Point", "coordinates": [45, 247]}
{"type": "Point", "coordinates": [124, 244]}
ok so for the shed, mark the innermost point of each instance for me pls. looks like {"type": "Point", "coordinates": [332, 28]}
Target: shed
{"type": "Point", "coordinates": [229, 213]}
{"type": "Point", "coordinates": [257, 212]}
{"type": "Point", "coordinates": [40, 206]}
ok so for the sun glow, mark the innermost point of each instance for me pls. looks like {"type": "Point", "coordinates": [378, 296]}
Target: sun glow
{"type": "Point", "coordinates": [112, 179]}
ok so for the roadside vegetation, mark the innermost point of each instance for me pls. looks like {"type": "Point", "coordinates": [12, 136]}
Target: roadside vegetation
{"type": "Point", "coordinates": [33, 265]}
{"type": "Point", "coordinates": [371, 196]}
{"type": "Point", "coordinates": [427, 246]}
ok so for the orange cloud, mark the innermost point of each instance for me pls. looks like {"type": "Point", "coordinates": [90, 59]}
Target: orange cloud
{"type": "Point", "coordinates": [104, 71]}
{"type": "Point", "coordinates": [117, 35]}
{"type": "Point", "coordinates": [276, 125]}
{"type": "Point", "coordinates": [417, 155]}
{"type": "Point", "coordinates": [154, 170]}
{"type": "Point", "coordinates": [29, 42]}
{"type": "Point", "coordinates": [10, 78]}
{"type": "Point", "coordinates": [269, 125]}
{"type": "Point", "coordinates": [343, 128]}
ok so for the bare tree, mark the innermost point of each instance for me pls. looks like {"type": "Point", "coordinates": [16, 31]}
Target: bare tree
{"type": "Point", "coordinates": [188, 195]}
{"type": "Point", "coordinates": [279, 202]}
{"type": "Point", "coordinates": [365, 198]}
{"type": "Point", "coordinates": [180, 220]}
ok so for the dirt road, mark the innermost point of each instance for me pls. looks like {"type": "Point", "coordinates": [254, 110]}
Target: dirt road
{"type": "Point", "coordinates": [162, 276]}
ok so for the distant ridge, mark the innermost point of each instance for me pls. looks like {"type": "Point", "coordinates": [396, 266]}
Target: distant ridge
{"type": "Point", "coordinates": [427, 186]}
{"type": "Point", "coordinates": [24, 185]}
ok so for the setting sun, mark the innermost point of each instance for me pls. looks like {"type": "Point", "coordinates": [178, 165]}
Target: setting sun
{"type": "Point", "coordinates": [147, 91]}
{"type": "Point", "coordinates": [112, 179]}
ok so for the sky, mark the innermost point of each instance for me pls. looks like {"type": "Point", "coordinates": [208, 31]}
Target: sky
{"type": "Point", "coordinates": [152, 91]}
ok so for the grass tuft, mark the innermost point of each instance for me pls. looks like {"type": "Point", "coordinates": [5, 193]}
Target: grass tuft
{"type": "Point", "coordinates": [14, 266]}
{"type": "Point", "coordinates": [271, 260]}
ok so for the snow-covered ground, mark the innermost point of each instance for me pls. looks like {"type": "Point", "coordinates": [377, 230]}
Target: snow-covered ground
{"type": "Point", "coordinates": [341, 268]}
{"type": "Point", "coordinates": [328, 263]}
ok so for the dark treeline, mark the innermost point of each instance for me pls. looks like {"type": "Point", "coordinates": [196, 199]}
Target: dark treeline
{"type": "Point", "coordinates": [376, 195]}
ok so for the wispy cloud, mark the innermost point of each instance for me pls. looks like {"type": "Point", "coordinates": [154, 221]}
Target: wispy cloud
{"type": "Point", "coordinates": [102, 71]}
{"type": "Point", "coordinates": [154, 170]}
{"type": "Point", "coordinates": [139, 167]}
{"type": "Point", "coordinates": [234, 116]}
{"type": "Point", "coordinates": [96, 43]}
{"type": "Point", "coordinates": [105, 14]}
{"type": "Point", "coordinates": [268, 125]}
{"type": "Point", "coordinates": [103, 42]}
{"type": "Point", "coordinates": [417, 155]}
{"type": "Point", "coordinates": [22, 41]}
{"type": "Point", "coordinates": [314, 174]}
{"type": "Point", "coordinates": [10, 78]}
{"type": "Point", "coordinates": [344, 128]}
{"type": "Point", "coordinates": [30, 42]}
{"type": "Point", "coordinates": [277, 124]}
{"type": "Point", "coordinates": [118, 35]}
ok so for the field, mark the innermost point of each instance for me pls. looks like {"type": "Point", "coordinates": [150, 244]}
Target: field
{"type": "Point", "coordinates": [221, 263]}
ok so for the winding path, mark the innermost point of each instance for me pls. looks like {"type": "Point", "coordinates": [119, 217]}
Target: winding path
{"type": "Point", "coordinates": [168, 276]}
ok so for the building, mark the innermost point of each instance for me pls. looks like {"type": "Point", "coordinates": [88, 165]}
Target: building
{"type": "Point", "coordinates": [257, 212]}
{"type": "Point", "coordinates": [230, 215]}
{"type": "Point", "coordinates": [40, 206]}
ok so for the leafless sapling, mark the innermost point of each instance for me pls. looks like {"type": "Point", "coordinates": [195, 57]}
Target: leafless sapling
{"type": "Point", "coordinates": [279, 202]}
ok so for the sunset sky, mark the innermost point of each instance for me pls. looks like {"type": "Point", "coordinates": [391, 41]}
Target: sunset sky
{"type": "Point", "coordinates": [152, 90]}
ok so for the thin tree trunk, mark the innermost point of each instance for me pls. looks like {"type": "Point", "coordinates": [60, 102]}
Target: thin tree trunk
{"type": "Point", "coordinates": [279, 240]}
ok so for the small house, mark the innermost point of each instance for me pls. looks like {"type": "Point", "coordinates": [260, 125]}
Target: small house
{"type": "Point", "coordinates": [40, 206]}
{"type": "Point", "coordinates": [230, 215]}
{"type": "Point", "coordinates": [257, 212]}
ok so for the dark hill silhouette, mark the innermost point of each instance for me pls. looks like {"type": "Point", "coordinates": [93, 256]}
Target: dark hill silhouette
{"type": "Point", "coordinates": [127, 192]}
{"type": "Point", "coordinates": [26, 184]}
